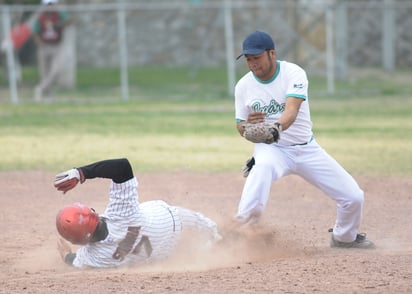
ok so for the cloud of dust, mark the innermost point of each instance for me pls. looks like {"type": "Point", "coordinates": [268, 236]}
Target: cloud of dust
{"type": "Point", "coordinates": [195, 253]}
{"type": "Point", "coordinates": [236, 248]}
{"type": "Point", "coordinates": [44, 257]}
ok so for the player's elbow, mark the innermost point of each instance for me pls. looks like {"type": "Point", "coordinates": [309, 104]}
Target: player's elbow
{"type": "Point", "coordinates": [124, 171]}
{"type": "Point", "coordinates": [126, 166]}
{"type": "Point", "coordinates": [354, 202]}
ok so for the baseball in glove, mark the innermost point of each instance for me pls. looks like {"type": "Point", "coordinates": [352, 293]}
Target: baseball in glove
{"type": "Point", "coordinates": [262, 132]}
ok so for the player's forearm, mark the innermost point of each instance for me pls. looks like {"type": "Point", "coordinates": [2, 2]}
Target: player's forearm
{"type": "Point", "coordinates": [119, 170]}
{"type": "Point", "coordinates": [291, 112]}
{"type": "Point", "coordinates": [287, 119]}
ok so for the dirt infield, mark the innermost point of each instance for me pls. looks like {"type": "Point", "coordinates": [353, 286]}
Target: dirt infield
{"type": "Point", "coordinates": [289, 253]}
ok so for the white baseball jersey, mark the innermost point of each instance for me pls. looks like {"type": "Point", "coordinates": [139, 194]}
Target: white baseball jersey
{"type": "Point", "coordinates": [295, 153]}
{"type": "Point", "coordinates": [139, 233]}
{"type": "Point", "coordinates": [254, 95]}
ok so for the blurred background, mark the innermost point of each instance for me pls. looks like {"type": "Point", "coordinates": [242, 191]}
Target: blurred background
{"type": "Point", "coordinates": [126, 50]}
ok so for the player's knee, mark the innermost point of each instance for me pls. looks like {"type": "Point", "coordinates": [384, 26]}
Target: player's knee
{"type": "Point", "coordinates": [355, 201]}
{"type": "Point", "coordinates": [361, 195]}
{"type": "Point", "coordinates": [358, 197]}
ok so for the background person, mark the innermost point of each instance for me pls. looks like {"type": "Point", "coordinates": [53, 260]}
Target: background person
{"type": "Point", "coordinates": [48, 32]}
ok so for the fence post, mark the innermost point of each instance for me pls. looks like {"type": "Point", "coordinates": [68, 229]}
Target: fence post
{"type": "Point", "coordinates": [230, 58]}
{"type": "Point", "coordinates": [124, 77]}
{"type": "Point", "coordinates": [8, 46]}
{"type": "Point", "coordinates": [341, 26]}
{"type": "Point", "coordinates": [388, 33]}
{"type": "Point", "coordinates": [330, 58]}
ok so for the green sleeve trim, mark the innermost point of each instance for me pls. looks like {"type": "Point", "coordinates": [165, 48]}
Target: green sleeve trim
{"type": "Point", "coordinates": [297, 96]}
{"type": "Point", "coordinates": [274, 76]}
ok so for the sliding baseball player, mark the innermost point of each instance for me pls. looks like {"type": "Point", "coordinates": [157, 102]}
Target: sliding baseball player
{"type": "Point", "coordinates": [127, 232]}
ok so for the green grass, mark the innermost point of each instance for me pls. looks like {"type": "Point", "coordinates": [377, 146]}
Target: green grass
{"type": "Point", "coordinates": [185, 121]}
{"type": "Point", "coordinates": [144, 83]}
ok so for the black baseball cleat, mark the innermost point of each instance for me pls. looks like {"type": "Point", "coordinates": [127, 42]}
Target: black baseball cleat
{"type": "Point", "coordinates": [360, 242]}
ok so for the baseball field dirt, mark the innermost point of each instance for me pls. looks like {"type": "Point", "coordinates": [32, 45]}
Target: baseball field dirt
{"type": "Point", "coordinates": [288, 253]}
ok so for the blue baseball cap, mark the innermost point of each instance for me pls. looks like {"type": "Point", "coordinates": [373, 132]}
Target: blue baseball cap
{"type": "Point", "coordinates": [256, 43]}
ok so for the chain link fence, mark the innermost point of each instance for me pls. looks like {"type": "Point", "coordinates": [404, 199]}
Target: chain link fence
{"type": "Point", "coordinates": [327, 38]}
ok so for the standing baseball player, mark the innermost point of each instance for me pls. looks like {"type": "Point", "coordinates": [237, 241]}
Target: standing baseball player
{"type": "Point", "coordinates": [272, 110]}
{"type": "Point", "coordinates": [127, 232]}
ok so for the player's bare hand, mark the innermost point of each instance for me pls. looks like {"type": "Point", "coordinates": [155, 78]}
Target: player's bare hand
{"type": "Point", "coordinates": [64, 248]}
{"type": "Point", "coordinates": [256, 117]}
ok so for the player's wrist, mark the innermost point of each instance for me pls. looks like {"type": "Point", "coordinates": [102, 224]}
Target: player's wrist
{"type": "Point", "coordinates": [279, 126]}
{"type": "Point", "coordinates": [81, 175]}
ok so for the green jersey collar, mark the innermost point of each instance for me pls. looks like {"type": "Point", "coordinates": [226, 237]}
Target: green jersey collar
{"type": "Point", "coordinates": [274, 76]}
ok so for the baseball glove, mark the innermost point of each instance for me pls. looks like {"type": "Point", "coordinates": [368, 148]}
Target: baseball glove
{"type": "Point", "coordinates": [261, 132]}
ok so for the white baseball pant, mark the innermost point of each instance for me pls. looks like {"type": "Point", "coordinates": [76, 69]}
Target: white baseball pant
{"type": "Point", "coordinates": [315, 165]}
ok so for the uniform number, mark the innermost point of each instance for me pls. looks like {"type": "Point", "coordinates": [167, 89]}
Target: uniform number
{"type": "Point", "coordinates": [126, 245]}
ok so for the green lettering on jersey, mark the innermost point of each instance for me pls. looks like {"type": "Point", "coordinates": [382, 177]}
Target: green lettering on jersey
{"type": "Point", "coordinates": [273, 108]}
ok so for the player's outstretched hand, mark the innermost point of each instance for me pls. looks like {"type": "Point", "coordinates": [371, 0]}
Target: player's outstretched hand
{"type": "Point", "coordinates": [67, 180]}
{"type": "Point", "coordinates": [64, 248]}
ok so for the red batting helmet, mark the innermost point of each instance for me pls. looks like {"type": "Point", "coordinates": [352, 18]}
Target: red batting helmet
{"type": "Point", "coordinates": [76, 223]}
